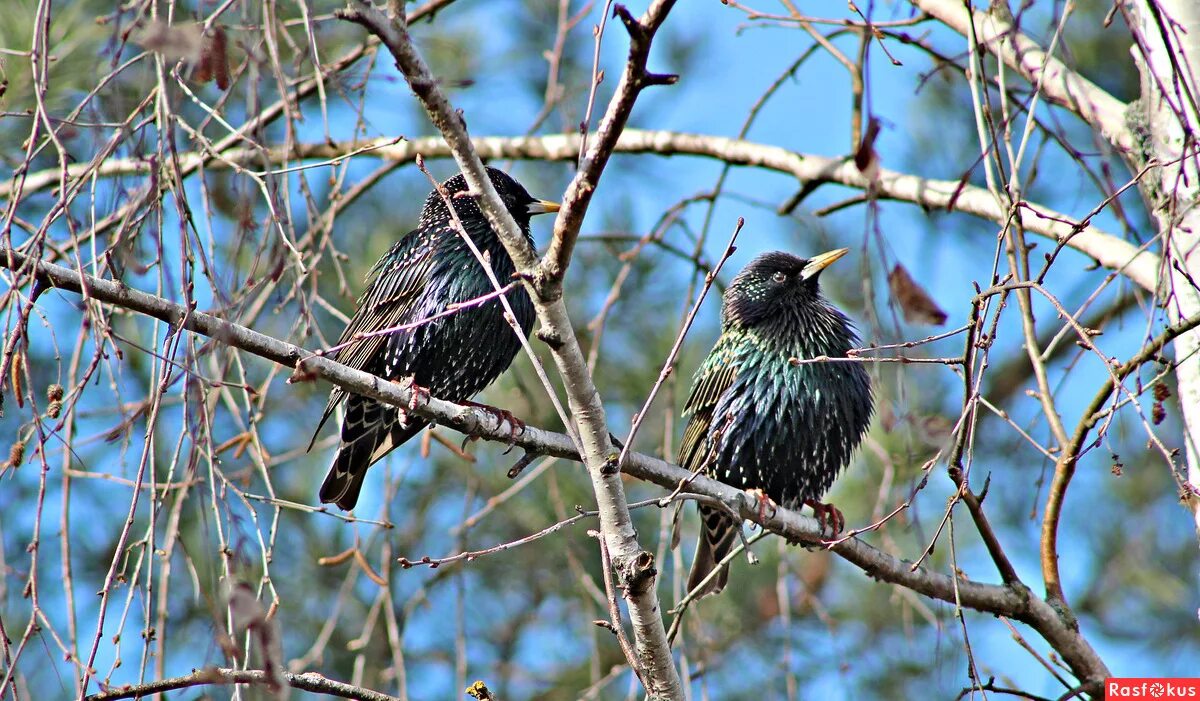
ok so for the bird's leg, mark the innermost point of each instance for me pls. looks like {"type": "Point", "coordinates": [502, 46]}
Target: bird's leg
{"type": "Point", "coordinates": [419, 396]}
{"type": "Point", "coordinates": [764, 503]}
{"type": "Point", "coordinates": [827, 513]}
{"type": "Point", "coordinates": [515, 426]}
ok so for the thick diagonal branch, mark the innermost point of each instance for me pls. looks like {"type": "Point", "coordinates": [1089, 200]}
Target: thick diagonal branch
{"type": "Point", "coordinates": [1014, 601]}
{"type": "Point", "coordinates": [634, 78]}
{"type": "Point", "coordinates": [635, 565]}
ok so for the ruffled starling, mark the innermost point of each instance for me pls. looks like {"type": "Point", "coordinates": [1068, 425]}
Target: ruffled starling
{"type": "Point", "coordinates": [452, 357]}
{"type": "Point", "coordinates": [758, 419]}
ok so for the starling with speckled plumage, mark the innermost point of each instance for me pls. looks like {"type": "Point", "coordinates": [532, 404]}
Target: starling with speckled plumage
{"type": "Point", "coordinates": [758, 419]}
{"type": "Point", "coordinates": [453, 357]}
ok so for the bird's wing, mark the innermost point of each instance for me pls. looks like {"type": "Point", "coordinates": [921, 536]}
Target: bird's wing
{"type": "Point", "coordinates": [398, 280]}
{"type": "Point", "coordinates": [712, 380]}
{"type": "Point", "coordinates": [396, 284]}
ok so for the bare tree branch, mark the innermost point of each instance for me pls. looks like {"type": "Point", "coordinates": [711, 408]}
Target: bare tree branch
{"type": "Point", "coordinates": [1136, 263]}
{"type": "Point", "coordinates": [1012, 600]}
{"type": "Point", "coordinates": [630, 560]}
{"type": "Point", "coordinates": [634, 78]}
{"type": "Point", "coordinates": [111, 405]}
{"type": "Point", "coordinates": [1059, 84]}
{"type": "Point", "coordinates": [1064, 468]}
{"type": "Point", "coordinates": [1167, 53]}
{"type": "Point", "coordinates": [309, 681]}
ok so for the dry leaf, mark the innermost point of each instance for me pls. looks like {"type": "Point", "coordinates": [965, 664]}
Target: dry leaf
{"type": "Point", "coordinates": [865, 157]}
{"type": "Point", "coordinates": [914, 301]}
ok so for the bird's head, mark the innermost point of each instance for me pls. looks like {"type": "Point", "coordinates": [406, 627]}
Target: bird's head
{"type": "Point", "coordinates": [773, 285]}
{"type": "Point", "coordinates": [520, 204]}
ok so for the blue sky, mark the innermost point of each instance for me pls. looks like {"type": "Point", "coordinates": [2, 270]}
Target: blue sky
{"type": "Point", "coordinates": [811, 115]}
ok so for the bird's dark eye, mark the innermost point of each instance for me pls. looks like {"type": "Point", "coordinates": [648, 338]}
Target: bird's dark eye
{"type": "Point", "coordinates": [779, 277]}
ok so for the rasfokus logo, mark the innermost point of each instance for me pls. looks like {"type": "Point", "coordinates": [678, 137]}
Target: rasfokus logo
{"type": "Point", "coordinates": [1151, 688]}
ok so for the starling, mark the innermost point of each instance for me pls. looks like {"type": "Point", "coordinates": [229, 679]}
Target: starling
{"type": "Point", "coordinates": [452, 357]}
{"type": "Point", "coordinates": [759, 420]}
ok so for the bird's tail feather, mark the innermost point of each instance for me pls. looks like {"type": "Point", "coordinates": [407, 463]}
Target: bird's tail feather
{"type": "Point", "coordinates": [370, 431]}
{"type": "Point", "coordinates": [335, 397]}
{"type": "Point", "coordinates": [344, 481]}
{"type": "Point", "coordinates": [718, 533]}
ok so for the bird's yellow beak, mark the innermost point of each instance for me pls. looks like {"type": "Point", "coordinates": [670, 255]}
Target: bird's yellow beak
{"type": "Point", "coordinates": [818, 263]}
{"type": "Point", "coordinates": [543, 207]}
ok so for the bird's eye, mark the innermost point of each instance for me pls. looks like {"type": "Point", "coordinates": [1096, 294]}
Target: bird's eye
{"type": "Point", "coordinates": [779, 277]}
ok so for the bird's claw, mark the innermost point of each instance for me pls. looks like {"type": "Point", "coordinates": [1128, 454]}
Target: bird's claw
{"type": "Point", "coordinates": [764, 502]}
{"type": "Point", "coordinates": [515, 426]}
{"type": "Point", "coordinates": [420, 395]}
{"type": "Point", "coordinates": [827, 514]}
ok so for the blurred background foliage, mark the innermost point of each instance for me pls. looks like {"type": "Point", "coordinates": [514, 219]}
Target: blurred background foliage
{"type": "Point", "coordinates": [798, 622]}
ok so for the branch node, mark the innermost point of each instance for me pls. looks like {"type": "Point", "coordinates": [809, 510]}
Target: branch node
{"type": "Point", "coordinates": [648, 79]}
{"type": "Point", "coordinates": [516, 470]}
{"type": "Point", "coordinates": [550, 338]}
{"type": "Point", "coordinates": [638, 574]}
{"type": "Point", "coordinates": [637, 33]}
{"type": "Point", "coordinates": [612, 464]}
